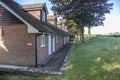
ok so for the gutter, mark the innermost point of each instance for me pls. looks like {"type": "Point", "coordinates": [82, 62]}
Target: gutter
{"type": "Point", "coordinates": [36, 50]}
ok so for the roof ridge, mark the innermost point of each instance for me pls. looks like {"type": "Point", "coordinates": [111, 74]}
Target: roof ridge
{"type": "Point", "coordinates": [33, 3]}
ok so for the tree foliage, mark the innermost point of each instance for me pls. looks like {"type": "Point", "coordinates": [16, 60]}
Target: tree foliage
{"type": "Point", "coordinates": [72, 27]}
{"type": "Point", "coordinates": [83, 12]}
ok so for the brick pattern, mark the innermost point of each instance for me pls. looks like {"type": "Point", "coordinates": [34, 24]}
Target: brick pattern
{"type": "Point", "coordinates": [59, 44]}
{"type": "Point", "coordinates": [42, 52]}
{"type": "Point", "coordinates": [17, 46]}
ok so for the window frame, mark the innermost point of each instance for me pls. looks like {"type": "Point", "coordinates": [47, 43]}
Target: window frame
{"type": "Point", "coordinates": [42, 40]}
{"type": "Point", "coordinates": [43, 16]}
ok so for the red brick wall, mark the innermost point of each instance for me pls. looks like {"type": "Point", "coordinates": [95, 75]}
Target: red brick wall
{"type": "Point", "coordinates": [56, 43]}
{"type": "Point", "coordinates": [42, 52]}
{"type": "Point", "coordinates": [51, 22]}
{"type": "Point", "coordinates": [35, 14]}
{"type": "Point", "coordinates": [13, 46]}
{"type": "Point", "coordinates": [59, 44]}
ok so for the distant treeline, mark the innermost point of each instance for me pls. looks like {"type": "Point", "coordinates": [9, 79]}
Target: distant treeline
{"type": "Point", "coordinates": [116, 34]}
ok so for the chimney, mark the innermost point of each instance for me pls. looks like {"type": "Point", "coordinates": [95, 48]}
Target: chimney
{"type": "Point", "coordinates": [52, 20]}
{"type": "Point", "coordinates": [59, 24]}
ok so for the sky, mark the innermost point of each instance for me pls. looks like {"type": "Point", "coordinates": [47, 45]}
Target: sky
{"type": "Point", "coordinates": [111, 23]}
{"type": "Point", "coordinates": [48, 3]}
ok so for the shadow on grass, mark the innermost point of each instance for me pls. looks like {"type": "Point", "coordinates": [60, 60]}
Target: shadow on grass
{"type": "Point", "coordinates": [97, 59]}
{"type": "Point", "coordinates": [95, 69]}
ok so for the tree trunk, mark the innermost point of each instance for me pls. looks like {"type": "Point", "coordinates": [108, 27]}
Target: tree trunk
{"type": "Point", "coordinates": [82, 35]}
{"type": "Point", "coordinates": [89, 30]}
{"type": "Point", "coordinates": [77, 37]}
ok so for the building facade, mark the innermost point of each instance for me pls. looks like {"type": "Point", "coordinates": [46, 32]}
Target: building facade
{"type": "Point", "coordinates": [27, 37]}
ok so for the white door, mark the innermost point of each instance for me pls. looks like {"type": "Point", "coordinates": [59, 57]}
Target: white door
{"type": "Point", "coordinates": [53, 43]}
{"type": "Point", "coordinates": [49, 44]}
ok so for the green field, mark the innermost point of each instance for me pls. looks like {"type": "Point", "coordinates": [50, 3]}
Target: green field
{"type": "Point", "coordinates": [97, 59]}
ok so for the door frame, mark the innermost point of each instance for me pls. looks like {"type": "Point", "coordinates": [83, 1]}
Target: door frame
{"type": "Point", "coordinates": [53, 43]}
{"type": "Point", "coordinates": [49, 44]}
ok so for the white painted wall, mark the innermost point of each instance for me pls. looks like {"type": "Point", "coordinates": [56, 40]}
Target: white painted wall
{"type": "Point", "coordinates": [32, 29]}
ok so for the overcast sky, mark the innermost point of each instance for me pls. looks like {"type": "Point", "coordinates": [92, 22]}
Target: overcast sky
{"type": "Point", "coordinates": [111, 24]}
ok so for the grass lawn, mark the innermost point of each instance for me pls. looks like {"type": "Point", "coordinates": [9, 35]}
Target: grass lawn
{"type": "Point", "coordinates": [97, 59]}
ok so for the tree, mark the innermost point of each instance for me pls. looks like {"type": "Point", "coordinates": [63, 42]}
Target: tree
{"type": "Point", "coordinates": [89, 30]}
{"type": "Point", "coordinates": [72, 27]}
{"type": "Point", "coordinates": [83, 12]}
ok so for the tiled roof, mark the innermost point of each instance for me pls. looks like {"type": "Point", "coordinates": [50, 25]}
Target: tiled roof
{"type": "Point", "coordinates": [58, 31]}
{"type": "Point", "coordinates": [50, 17]}
{"type": "Point", "coordinates": [42, 27]}
{"type": "Point", "coordinates": [26, 16]}
{"type": "Point", "coordinates": [36, 5]}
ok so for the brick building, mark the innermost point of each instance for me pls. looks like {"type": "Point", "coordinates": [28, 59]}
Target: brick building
{"type": "Point", "coordinates": [27, 37]}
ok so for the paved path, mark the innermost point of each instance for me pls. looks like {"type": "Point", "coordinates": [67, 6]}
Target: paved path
{"type": "Point", "coordinates": [57, 59]}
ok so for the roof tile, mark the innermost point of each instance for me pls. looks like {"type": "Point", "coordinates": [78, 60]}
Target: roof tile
{"type": "Point", "coordinates": [42, 27]}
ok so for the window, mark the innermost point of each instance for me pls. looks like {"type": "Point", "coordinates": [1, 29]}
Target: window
{"type": "Point", "coordinates": [43, 16]}
{"type": "Point", "coordinates": [56, 39]}
{"type": "Point", "coordinates": [42, 40]}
